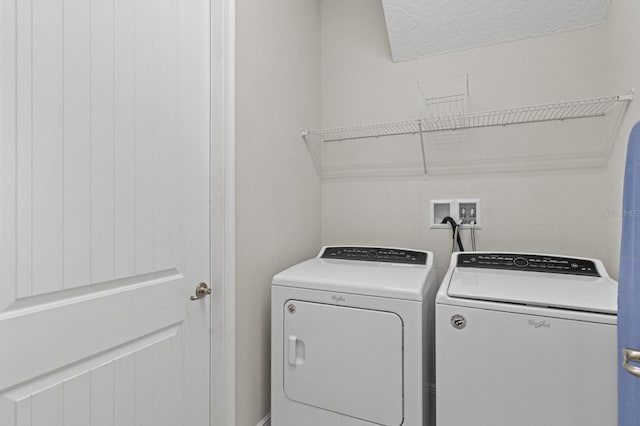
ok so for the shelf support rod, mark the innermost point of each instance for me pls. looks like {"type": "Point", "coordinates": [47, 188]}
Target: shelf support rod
{"type": "Point", "coordinates": [627, 96]}
{"type": "Point", "coordinates": [424, 157]}
{"type": "Point", "coordinates": [315, 158]}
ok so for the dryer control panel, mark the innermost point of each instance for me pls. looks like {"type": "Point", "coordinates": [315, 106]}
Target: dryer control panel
{"type": "Point", "coordinates": [376, 254]}
{"type": "Point", "coordinates": [528, 262]}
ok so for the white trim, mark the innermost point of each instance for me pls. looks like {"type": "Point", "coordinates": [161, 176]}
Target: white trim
{"type": "Point", "coordinates": [223, 213]}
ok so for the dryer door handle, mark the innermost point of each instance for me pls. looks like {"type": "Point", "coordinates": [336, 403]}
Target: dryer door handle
{"type": "Point", "coordinates": [292, 350]}
{"type": "Point", "coordinates": [296, 351]}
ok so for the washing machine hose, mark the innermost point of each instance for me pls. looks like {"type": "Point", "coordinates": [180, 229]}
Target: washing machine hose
{"type": "Point", "coordinates": [456, 234]}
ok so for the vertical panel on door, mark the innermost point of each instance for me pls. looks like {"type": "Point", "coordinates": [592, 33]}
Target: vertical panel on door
{"type": "Point", "coordinates": [47, 407]}
{"type": "Point", "coordinates": [102, 141]}
{"type": "Point", "coordinates": [145, 104]}
{"type": "Point", "coordinates": [22, 179]}
{"type": "Point", "coordinates": [77, 146]}
{"type": "Point", "coordinates": [47, 163]}
{"type": "Point", "coordinates": [102, 385]}
{"type": "Point", "coordinates": [77, 400]}
{"type": "Point", "coordinates": [124, 138]}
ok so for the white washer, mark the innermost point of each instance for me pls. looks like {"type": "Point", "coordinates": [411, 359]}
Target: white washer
{"type": "Point", "coordinates": [350, 329]}
{"type": "Point", "coordinates": [527, 340]}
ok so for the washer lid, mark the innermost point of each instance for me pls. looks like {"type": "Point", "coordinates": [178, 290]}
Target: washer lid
{"type": "Point", "coordinates": [383, 279]}
{"type": "Point", "coordinates": [574, 292]}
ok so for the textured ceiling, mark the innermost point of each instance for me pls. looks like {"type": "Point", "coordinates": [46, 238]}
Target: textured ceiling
{"type": "Point", "coordinates": [426, 27]}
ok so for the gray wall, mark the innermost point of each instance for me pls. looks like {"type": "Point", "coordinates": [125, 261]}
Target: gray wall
{"type": "Point", "coordinates": [623, 72]}
{"type": "Point", "coordinates": [277, 189]}
{"type": "Point", "coordinates": [528, 207]}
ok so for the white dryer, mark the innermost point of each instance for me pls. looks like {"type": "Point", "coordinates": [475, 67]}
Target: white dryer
{"type": "Point", "coordinates": [352, 332]}
{"type": "Point", "coordinates": [527, 340]}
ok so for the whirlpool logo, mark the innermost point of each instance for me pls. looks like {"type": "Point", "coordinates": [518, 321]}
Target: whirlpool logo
{"type": "Point", "coordinates": [458, 321]}
{"type": "Point", "coordinates": [539, 323]}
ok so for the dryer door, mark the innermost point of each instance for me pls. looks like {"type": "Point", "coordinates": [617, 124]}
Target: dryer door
{"type": "Point", "coordinates": [345, 360]}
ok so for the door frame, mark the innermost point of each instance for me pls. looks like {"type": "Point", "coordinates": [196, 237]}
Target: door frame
{"type": "Point", "coordinates": [222, 207]}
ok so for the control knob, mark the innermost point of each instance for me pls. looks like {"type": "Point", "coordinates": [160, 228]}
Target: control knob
{"type": "Point", "coordinates": [521, 261]}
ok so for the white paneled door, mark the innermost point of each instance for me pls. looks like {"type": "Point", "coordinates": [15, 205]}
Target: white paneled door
{"type": "Point", "coordinates": [104, 212]}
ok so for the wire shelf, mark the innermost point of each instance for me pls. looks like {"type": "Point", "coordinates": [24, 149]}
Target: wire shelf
{"type": "Point", "coordinates": [584, 108]}
{"type": "Point", "coordinates": [406, 127]}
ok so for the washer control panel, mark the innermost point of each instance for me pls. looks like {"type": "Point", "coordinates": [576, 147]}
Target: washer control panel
{"type": "Point", "coordinates": [376, 254]}
{"type": "Point", "coordinates": [528, 262]}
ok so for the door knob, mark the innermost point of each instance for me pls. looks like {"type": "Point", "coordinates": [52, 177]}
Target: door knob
{"type": "Point", "coordinates": [629, 356]}
{"type": "Point", "coordinates": [202, 290]}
